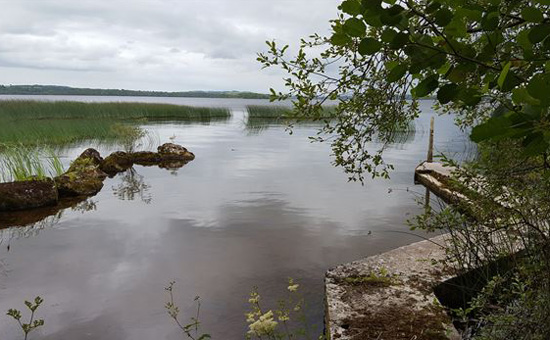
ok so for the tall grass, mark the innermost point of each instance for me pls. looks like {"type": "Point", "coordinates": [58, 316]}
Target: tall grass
{"type": "Point", "coordinates": [28, 109]}
{"type": "Point", "coordinates": [278, 111]}
{"type": "Point", "coordinates": [19, 163]}
{"type": "Point", "coordinates": [38, 123]}
{"type": "Point", "coordinates": [54, 131]}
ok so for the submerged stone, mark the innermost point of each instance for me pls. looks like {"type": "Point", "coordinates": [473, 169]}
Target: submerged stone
{"type": "Point", "coordinates": [27, 194]}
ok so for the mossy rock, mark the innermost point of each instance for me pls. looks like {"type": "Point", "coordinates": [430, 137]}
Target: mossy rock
{"type": "Point", "coordinates": [145, 158]}
{"type": "Point", "coordinates": [85, 182]}
{"type": "Point", "coordinates": [88, 157]}
{"type": "Point", "coordinates": [116, 162]}
{"type": "Point", "coordinates": [27, 194]}
{"type": "Point", "coordinates": [171, 151]}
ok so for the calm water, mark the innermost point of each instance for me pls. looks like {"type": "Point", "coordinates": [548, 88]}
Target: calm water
{"type": "Point", "coordinates": [255, 207]}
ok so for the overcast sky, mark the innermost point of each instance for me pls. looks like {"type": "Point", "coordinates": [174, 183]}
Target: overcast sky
{"type": "Point", "coordinates": [167, 45]}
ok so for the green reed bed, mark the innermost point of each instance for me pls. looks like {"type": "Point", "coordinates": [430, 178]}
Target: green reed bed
{"type": "Point", "coordinates": [44, 123]}
{"type": "Point", "coordinates": [20, 163]}
{"type": "Point", "coordinates": [28, 109]}
{"type": "Point", "coordinates": [56, 131]}
{"type": "Point", "coordinates": [278, 111]}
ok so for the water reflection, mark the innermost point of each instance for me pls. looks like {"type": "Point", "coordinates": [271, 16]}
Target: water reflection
{"type": "Point", "coordinates": [131, 186]}
{"type": "Point", "coordinates": [85, 206]}
{"type": "Point", "coordinates": [256, 126]}
{"type": "Point", "coordinates": [36, 217]}
{"type": "Point", "coordinates": [400, 136]}
{"type": "Point", "coordinates": [205, 121]}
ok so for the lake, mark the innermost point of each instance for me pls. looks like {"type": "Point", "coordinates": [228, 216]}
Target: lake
{"type": "Point", "coordinates": [255, 207]}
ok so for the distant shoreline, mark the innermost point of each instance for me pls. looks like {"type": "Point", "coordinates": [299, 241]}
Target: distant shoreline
{"type": "Point", "coordinates": [55, 90]}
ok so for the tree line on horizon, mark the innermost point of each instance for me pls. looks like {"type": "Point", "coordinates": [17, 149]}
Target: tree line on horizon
{"type": "Point", "coordinates": [66, 90]}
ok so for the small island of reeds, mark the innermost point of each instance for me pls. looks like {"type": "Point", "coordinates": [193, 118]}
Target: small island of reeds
{"type": "Point", "coordinates": [38, 122]}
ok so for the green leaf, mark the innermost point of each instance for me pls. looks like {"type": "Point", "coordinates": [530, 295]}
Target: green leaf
{"type": "Point", "coordinates": [469, 96]}
{"type": "Point", "coordinates": [400, 40]}
{"type": "Point", "coordinates": [490, 21]}
{"type": "Point", "coordinates": [523, 40]}
{"type": "Point", "coordinates": [539, 33]}
{"type": "Point", "coordinates": [539, 87]}
{"type": "Point", "coordinates": [532, 14]}
{"type": "Point", "coordinates": [447, 93]}
{"type": "Point", "coordinates": [373, 19]}
{"type": "Point", "coordinates": [369, 46]}
{"type": "Point", "coordinates": [443, 17]}
{"type": "Point", "coordinates": [354, 27]}
{"type": "Point", "coordinates": [351, 7]}
{"type": "Point", "coordinates": [432, 7]}
{"type": "Point", "coordinates": [494, 128]}
{"type": "Point", "coordinates": [372, 5]}
{"type": "Point", "coordinates": [521, 96]}
{"type": "Point", "coordinates": [340, 39]}
{"type": "Point", "coordinates": [426, 86]}
{"type": "Point", "coordinates": [503, 74]}
{"type": "Point", "coordinates": [392, 16]}
{"type": "Point", "coordinates": [388, 35]}
{"type": "Point", "coordinates": [397, 73]}
{"type": "Point", "coordinates": [534, 144]}
{"type": "Point", "coordinates": [456, 28]}
{"type": "Point", "coordinates": [508, 79]}
{"type": "Point", "coordinates": [470, 12]}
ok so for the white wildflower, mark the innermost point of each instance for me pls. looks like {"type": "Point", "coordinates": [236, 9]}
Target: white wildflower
{"type": "Point", "coordinates": [293, 287]}
{"type": "Point", "coordinates": [265, 325]}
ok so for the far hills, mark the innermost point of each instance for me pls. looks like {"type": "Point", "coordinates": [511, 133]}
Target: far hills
{"type": "Point", "coordinates": [75, 91]}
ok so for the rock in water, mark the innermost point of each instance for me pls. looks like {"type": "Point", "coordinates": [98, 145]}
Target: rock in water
{"type": "Point", "coordinates": [90, 156]}
{"type": "Point", "coordinates": [174, 151]}
{"type": "Point", "coordinates": [85, 182]}
{"type": "Point", "coordinates": [27, 194]}
{"type": "Point", "coordinates": [145, 158]}
{"type": "Point", "coordinates": [116, 162]}
{"type": "Point", "coordinates": [84, 177]}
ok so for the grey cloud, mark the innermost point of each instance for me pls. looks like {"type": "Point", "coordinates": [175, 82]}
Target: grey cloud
{"type": "Point", "coordinates": [185, 39]}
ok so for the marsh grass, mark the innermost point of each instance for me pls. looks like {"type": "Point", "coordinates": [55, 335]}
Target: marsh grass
{"type": "Point", "coordinates": [38, 123]}
{"type": "Point", "coordinates": [20, 163]}
{"type": "Point", "coordinates": [28, 109]}
{"type": "Point", "coordinates": [56, 131]}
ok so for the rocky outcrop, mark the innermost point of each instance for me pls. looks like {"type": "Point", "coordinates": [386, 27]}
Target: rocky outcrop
{"type": "Point", "coordinates": [27, 194]}
{"type": "Point", "coordinates": [85, 176]}
{"type": "Point", "coordinates": [171, 151]}
{"type": "Point", "coordinates": [169, 156]}
{"type": "Point", "coordinates": [116, 162]}
{"type": "Point", "coordinates": [145, 158]}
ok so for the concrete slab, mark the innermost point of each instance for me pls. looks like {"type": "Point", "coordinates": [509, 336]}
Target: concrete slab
{"type": "Point", "coordinates": [389, 296]}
